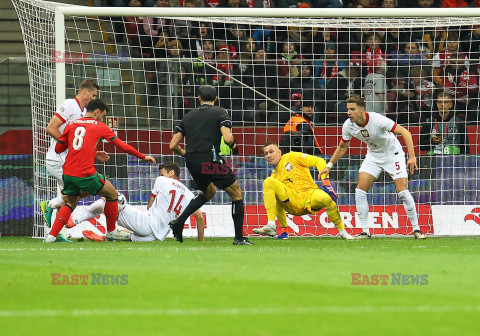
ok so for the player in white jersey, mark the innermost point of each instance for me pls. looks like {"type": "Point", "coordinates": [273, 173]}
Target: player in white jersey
{"type": "Point", "coordinates": [168, 198]}
{"type": "Point", "coordinates": [69, 110]}
{"type": "Point", "coordinates": [384, 153]}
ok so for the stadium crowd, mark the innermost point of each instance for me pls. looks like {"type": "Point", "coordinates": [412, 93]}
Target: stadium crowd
{"type": "Point", "coordinates": [399, 71]}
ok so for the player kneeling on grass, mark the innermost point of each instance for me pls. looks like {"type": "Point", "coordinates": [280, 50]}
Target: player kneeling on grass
{"type": "Point", "coordinates": [81, 137]}
{"type": "Point", "coordinates": [167, 199]}
{"type": "Point", "coordinates": [292, 188]}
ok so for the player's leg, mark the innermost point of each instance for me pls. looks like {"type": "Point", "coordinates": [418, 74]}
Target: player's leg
{"type": "Point", "coordinates": [238, 210]}
{"type": "Point", "coordinates": [111, 206]}
{"type": "Point", "coordinates": [88, 213]}
{"type": "Point", "coordinates": [204, 184]}
{"type": "Point", "coordinates": [72, 192]}
{"type": "Point", "coordinates": [396, 167]}
{"type": "Point", "coordinates": [401, 184]}
{"type": "Point", "coordinates": [320, 199]}
{"type": "Point", "coordinates": [274, 193]}
{"type": "Point", "coordinates": [55, 169]}
{"type": "Point", "coordinates": [368, 173]}
{"type": "Point", "coordinates": [282, 220]}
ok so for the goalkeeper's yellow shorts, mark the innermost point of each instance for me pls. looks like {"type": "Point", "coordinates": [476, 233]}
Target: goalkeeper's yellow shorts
{"type": "Point", "coordinates": [299, 203]}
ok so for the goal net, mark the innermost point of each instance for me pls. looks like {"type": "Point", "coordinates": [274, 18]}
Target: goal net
{"type": "Point", "coordinates": [149, 62]}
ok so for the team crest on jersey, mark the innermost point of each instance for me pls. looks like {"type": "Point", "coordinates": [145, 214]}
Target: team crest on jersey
{"type": "Point", "coordinates": [288, 167]}
{"type": "Point", "coordinates": [365, 133]}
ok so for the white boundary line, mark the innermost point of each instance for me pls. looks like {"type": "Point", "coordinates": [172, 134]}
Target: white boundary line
{"type": "Point", "coordinates": [236, 311]}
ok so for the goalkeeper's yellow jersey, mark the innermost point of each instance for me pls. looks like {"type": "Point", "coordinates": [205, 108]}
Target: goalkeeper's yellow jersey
{"type": "Point", "coordinates": [293, 171]}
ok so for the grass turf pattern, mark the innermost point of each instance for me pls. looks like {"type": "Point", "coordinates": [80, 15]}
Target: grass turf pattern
{"type": "Point", "coordinates": [299, 286]}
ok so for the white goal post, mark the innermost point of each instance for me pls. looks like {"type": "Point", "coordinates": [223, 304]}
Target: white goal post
{"type": "Point", "coordinates": [150, 86]}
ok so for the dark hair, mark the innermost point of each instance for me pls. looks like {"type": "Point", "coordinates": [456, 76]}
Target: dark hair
{"type": "Point", "coordinates": [169, 166]}
{"type": "Point", "coordinates": [88, 84]}
{"type": "Point", "coordinates": [270, 143]}
{"type": "Point", "coordinates": [445, 94]}
{"type": "Point", "coordinates": [207, 93]}
{"type": "Point", "coordinates": [356, 99]}
{"type": "Point", "coordinates": [96, 104]}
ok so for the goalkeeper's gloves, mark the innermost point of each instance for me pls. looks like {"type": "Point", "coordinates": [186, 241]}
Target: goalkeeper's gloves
{"type": "Point", "coordinates": [234, 147]}
{"type": "Point", "coordinates": [327, 187]}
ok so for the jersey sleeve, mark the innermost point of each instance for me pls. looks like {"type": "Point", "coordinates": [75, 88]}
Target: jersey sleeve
{"type": "Point", "coordinates": [180, 128]}
{"type": "Point", "coordinates": [107, 133]}
{"type": "Point", "coordinates": [65, 112]}
{"type": "Point", "coordinates": [156, 186]}
{"type": "Point", "coordinates": [386, 123]}
{"type": "Point", "coordinates": [225, 120]}
{"type": "Point", "coordinates": [346, 135]}
{"type": "Point", "coordinates": [62, 141]}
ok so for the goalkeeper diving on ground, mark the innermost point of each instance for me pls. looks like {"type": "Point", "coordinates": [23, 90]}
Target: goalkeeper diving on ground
{"type": "Point", "coordinates": [291, 188]}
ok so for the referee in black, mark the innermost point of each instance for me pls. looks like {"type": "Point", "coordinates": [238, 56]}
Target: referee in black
{"type": "Point", "coordinates": [203, 128]}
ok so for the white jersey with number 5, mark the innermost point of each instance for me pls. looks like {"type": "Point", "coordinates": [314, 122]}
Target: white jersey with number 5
{"type": "Point", "coordinates": [376, 134]}
{"type": "Point", "coordinates": [171, 198]}
{"type": "Point", "coordinates": [68, 111]}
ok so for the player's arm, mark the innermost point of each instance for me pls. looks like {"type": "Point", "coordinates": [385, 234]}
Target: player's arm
{"type": "Point", "coordinates": [150, 201]}
{"type": "Point", "coordinates": [132, 151]}
{"type": "Point", "coordinates": [200, 224]}
{"type": "Point", "coordinates": [62, 141]}
{"type": "Point", "coordinates": [407, 136]}
{"type": "Point", "coordinates": [337, 155]}
{"type": "Point", "coordinates": [315, 161]}
{"type": "Point", "coordinates": [229, 138]}
{"type": "Point", "coordinates": [175, 144]}
{"type": "Point", "coordinates": [53, 127]}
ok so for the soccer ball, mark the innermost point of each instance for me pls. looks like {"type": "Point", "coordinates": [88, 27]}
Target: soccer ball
{"type": "Point", "coordinates": [122, 201]}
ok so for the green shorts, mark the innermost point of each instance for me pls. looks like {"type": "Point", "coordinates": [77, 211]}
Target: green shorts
{"type": "Point", "coordinates": [74, 186]}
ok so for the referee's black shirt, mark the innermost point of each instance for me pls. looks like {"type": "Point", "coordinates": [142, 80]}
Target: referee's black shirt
{"type": "Point", "coordinates": [201, 128]}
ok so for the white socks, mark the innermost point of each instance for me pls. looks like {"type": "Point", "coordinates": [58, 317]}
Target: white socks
{"type": "Point", "coordinates": [362, 208]}
{"type": "Point", "coordinates": [92, 211]}
{"type": "Point", "coordinates": [409, 205]}
{"type": "Point", "coordinates": [56, 203]}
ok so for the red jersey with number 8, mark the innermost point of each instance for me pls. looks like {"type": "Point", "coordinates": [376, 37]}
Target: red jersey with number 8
{"type": "Point", "coordinates": [81, 137]}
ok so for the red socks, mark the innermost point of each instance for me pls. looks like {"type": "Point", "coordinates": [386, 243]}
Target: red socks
{"type": "Point", "coordinates": [62, 218]}
{"type": "Point", "coordinates": [111, 213]}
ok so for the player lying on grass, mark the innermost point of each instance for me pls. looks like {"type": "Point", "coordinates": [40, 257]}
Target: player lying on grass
{"type": "Point", "coordinates": [81, 137]}
{"type": "Point", "coordinates": [292, 188]}
{"type": "Point", "coordinates": [384, 153]}
{"type": "Point", "coordinates": [167, 199]}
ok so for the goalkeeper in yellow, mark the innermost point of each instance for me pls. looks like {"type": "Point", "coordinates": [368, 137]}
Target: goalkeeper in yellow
{"type": "Point", "coordinates": [291, 188]}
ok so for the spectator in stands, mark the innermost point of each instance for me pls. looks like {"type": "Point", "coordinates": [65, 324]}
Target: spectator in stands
{"type": "Point", "coordinates": [248, 49]}
{"type": "Point", "coordinates": [365, 3]}
{"type": "Point", "coordinates": [200, 34]}
{"type": "Point", "coordinates": [434, 40]}
{"type": "Point", "coordinates": [453, 3]}
{"type": "Point", "coordinates": [258, 76]}
{"type": "Point", "coordinates": [134, 30]}
{"type": "Point", "coordinates": [299, 134]}
{"type": "Point", "coordinates": [233, 3]}
{"type": "Point", "coordinates": [327, 3]}
{"type": "Point", "coordinates": [185, 90]}
{"type": "Point", "coordinates": [182, 30]}
{"type": "Point", "coordinates": [203, 73]}
{"type": "Point", "coordinates": [288, 59]}
{"type": "Point", "coordinates": [293, 3]}
{"type": "Point", "coordinates": [153, 27]}
{"type": "Point", "coordinates": [428, 3]}
{"type": "Point", "coordinates": [442, 58]}
{"type": "Point", "coordinates": [373, 52]}
{"type": "Point", "coordinates": [330, 67]}
{"type": "Point", "coordinates": [160, 48]}
{"type": "Point", "coordinates": [443, 132]}
{"type": "Point", "coordinates": [223, 64]}
{"type": "Point", "coordinates": [236, 35]}
{"type": "Point", "coordinates": [305, 84]}
{"type": "Point", "coordinates": [419, 92]}
{"type": "Point", "coordinates": [388, 4]}
{"type": "Point", "coordinates": [375, 88]}
{"type": "Point", "coordinates": [462, 84]}
{"type": "Point", "coordinates": [344, 85]}
{"type": "Point", "coordinates": [304, 37]}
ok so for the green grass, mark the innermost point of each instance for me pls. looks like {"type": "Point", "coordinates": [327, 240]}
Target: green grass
{"type": "Point", "coordinates": [294, 287]}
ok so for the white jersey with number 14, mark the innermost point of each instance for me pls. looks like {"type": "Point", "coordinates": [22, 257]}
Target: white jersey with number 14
{"type": "Point", "coordinates": [171, 198]}
{"type": "Point", "coordinates": [376, 134]}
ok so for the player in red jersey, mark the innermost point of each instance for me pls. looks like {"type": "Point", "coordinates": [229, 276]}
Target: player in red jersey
{"type": "Point", "coordinates": [81, 137]}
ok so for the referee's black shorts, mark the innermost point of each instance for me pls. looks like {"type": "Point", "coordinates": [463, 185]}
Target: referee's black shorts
{"type": "Point", "coordinates": [204, 171]}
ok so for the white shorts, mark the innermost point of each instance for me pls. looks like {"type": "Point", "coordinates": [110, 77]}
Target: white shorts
{"type": "Point", "coordinates": [395, 165]}
{"type": "Point", "coordinates": [55, 168]}
{"type": "Point", "coordinates": [140, 223]}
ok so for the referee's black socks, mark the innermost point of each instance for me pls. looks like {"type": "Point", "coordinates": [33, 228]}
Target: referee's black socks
{"type": "Point", "coordinates": [237, 215]}
{"type": "Point", "coordinates": [193, 206]}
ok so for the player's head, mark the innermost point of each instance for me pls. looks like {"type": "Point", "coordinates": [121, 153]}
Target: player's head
{"type": "Point", "coordinates": [169, 169]}
{"type": "Point", "coordinates": [87, 91]}
{"type": "Point", "coordinates": [355, 108]}
{"type": "Point", "coordinates": [272, 153]}
{"type": "Point", "coordinates": [96, 109]}
{"type": "Point", "coordinates": [207, 94]}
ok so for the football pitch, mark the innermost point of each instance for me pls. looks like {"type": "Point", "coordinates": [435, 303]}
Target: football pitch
{"type": "Point", "coordinates": [303, 286]}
